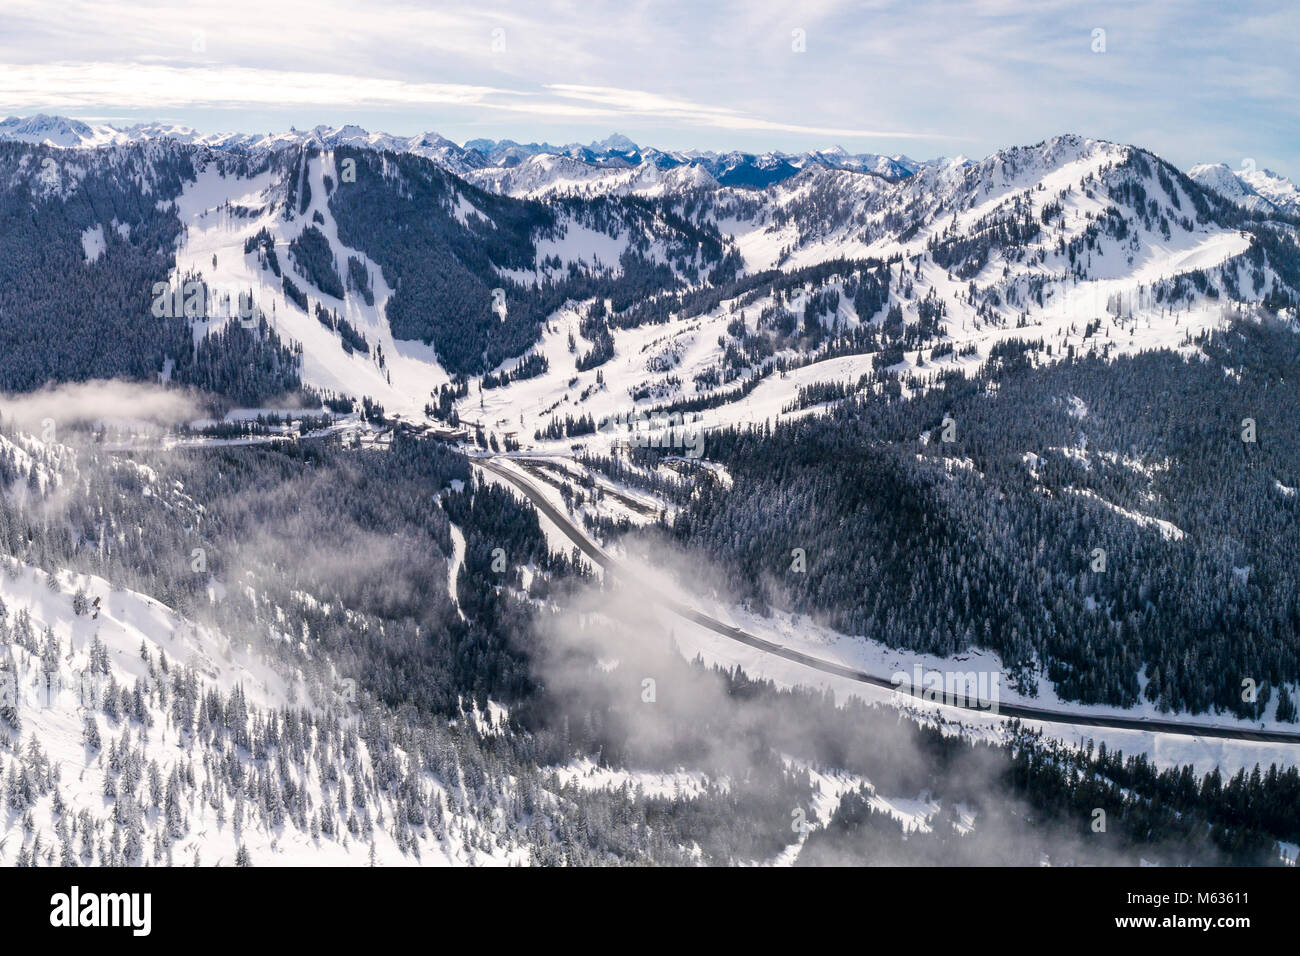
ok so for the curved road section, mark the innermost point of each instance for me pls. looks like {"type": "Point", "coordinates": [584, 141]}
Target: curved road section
{"type": "Point", "coordinates": [598, 555]}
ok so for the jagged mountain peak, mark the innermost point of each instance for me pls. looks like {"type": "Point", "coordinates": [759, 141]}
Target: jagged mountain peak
{"type": "Point", "coordinates": [1259, 190]}
{"type": "Point", "coordinates": [608, 160]}
{"type": "Point", "coordinates": [616, 142]}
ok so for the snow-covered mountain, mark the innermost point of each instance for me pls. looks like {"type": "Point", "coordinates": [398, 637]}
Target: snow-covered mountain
{"type": "Point", "coordinates": [599, 166]}
{"type": "Point", "coordinates": [1034, 241]}
{"type": "Point", "coordinates": [59, 131]}
{"type": "Point", "coordinates": [73, 134]}
{"type": "Point", "coordinates": [1277, 189]}
{"type": "Point", "coordinates": [1259, 190]}
{"type": "Point", "coordinates": [548, 174]}
{"type": "Point", "coordinates": [619, 165]}
{"type": "Point", "coordinates": [616, 164]}
{"type": "Point", "coordinates": [1040, 241]}
{"type": "Point", "coordinates": [1079, 244]}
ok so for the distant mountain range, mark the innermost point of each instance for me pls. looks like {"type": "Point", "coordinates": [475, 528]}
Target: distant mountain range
{"type": "Point", "coordinates": [616, 152]}
{"type": "Point", "coordinates": [533, 169]}
{"type": "Point", "coordinates": [1256, 189]}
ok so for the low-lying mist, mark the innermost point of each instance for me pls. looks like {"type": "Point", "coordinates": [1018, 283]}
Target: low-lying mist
{"type": "Point", "coordinates": [108, 401]}
{"type": "Point", "coordinates": [611, 667]}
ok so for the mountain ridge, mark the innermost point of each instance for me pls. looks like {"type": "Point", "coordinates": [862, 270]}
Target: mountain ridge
{"type": "Point", "coordinates": [615, 151]}
{"type": "Point", "coordinates": [1255, 188]}
{"type": "Point", "coordinates": [1024, 237]}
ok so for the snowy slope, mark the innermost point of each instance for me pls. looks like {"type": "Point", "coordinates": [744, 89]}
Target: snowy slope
{"type": "Point", "coordinates": [1259, 190]}
{"type": "Point", "coordinates": [1116, 233]}
{"type": "Point", "coordinates": [1040, 292]}
{"type": "Point", "coordinates": [613, 164]}
{"type": "Point", "coordinates": [1277, 189]}
{"type": "Point", "coordinates": [68, 133]}
{"type": "Point", "coordinates": [545, 175]}
{"type": "Point", "coordinates": [56, 699]}
{"type": "Point", "coordinates": [58, 131]}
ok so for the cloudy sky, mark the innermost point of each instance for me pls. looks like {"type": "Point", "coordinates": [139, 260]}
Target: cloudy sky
{"type": "Point", "coordinates": [1194, 81]}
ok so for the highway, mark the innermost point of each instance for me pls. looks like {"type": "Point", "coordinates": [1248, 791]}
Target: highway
{"type": "Point", "coordinates": [612, 566]}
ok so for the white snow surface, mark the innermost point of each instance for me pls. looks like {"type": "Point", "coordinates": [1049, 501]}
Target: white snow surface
{"type": "Point", "coordinates": [127, 620]}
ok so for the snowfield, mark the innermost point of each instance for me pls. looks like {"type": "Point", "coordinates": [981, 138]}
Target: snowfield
{"type": "Point", "coordinates": [55, 698]}
{"type": "Point", "coordinates": [660, 362]}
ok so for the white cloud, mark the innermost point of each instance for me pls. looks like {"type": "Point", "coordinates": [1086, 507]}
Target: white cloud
{"type": "Point", "coordinates": [65, 86]}
{"type": "Point", "coordinates": [88, 86]}
{"type": "Point", "coordinates": [109, 401]}
{"type": "Point", "coordinates": [640, 103]}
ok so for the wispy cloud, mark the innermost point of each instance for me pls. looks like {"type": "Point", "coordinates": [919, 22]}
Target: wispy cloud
{"type": "Point", "coordinates": [61, 86]}
{"type": "Point", "coordinates": [76, 403]}
{"type": "Point", "coordinates": [640, 103]}
{"type": "Point", "coordinates": [95, 86]}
